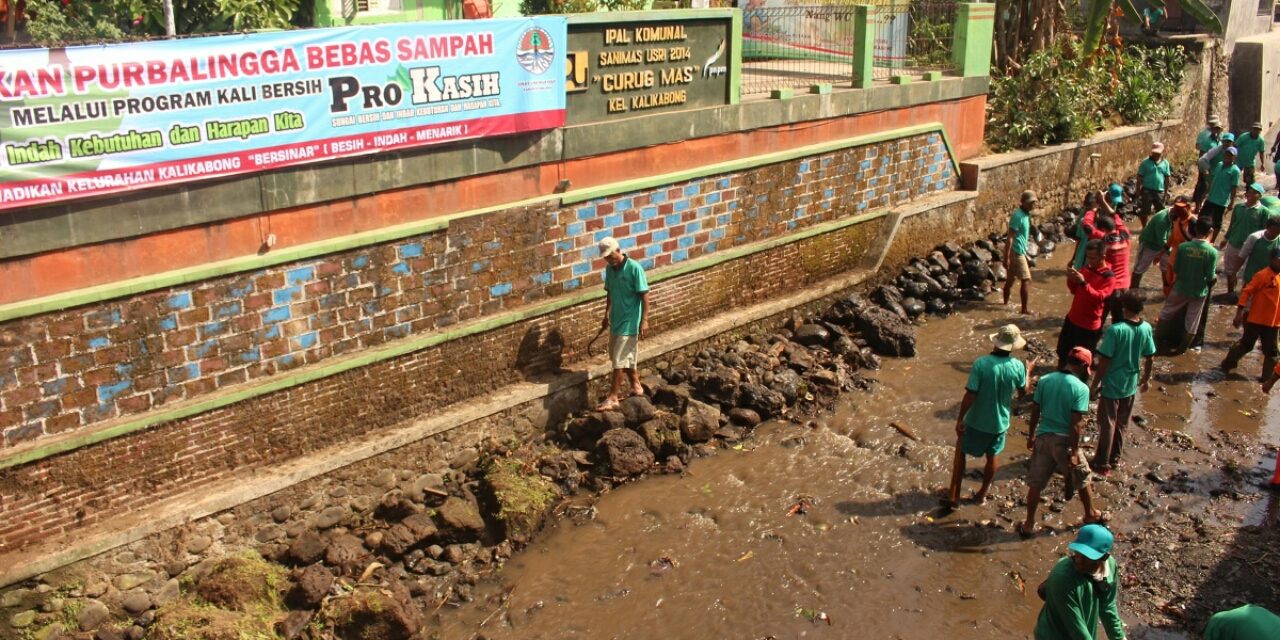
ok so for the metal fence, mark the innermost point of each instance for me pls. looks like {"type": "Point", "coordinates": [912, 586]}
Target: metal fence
{"type": "Point", "coordinates": [914, 37]}
{"type": "Point", "coordinates": [796, 46]}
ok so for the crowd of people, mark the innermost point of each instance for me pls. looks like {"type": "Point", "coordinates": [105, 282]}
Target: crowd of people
{"type": "Point", "coordinates": [1106, 350]}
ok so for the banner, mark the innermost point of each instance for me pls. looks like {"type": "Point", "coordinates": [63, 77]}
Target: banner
{"type": "Point", "coordinates": [86, 121]}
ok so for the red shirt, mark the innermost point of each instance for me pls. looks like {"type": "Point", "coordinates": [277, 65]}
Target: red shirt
{"type": "Point", "coordinates": [1090, 299]}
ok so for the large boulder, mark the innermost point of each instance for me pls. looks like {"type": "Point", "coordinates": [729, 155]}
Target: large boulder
{"type": "Point", "coordinates": [587, 429]}
{"type": "Point", "coordinates": [761, 399]}
{"type": "Point", "coordinates": [307, 548]}
{"type": "Point", "coordinates": [671, 397]}
{"type": "Point", "coordinates": [719, 384]}
{"type": "Point", "coordinates": [381, 613]}
{"type": "Point", "coordinates": [812, 335]}
{"type": "Point", "coordinates": [662, 435]}
{"type": "Point", "coordinates": [310, 586]}
{"type": "Point", "coordinates": [461, 517]}
{"type": "Point", "coordinates": [887, 333]}
{"type": "Point", "coordinates": [524, 497]}
{"type": "Point", "coordinates": [637, 410]}
{"type": "Point", "coordinates": [626, 451]}
{"type": "Point", "coordinates": [700, 422]}
{"type": "Point", "coordinates": [789, 383]}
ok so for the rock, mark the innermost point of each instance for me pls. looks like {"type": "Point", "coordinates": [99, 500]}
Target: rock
{"type": "Point", "coordinates": [346, 553]}
{"type": "Point", "coordinates": [418, 489]}
{"type": "Point", "coordinates": [761, 399]}
{"type": "Point", "coordinates": [586, 430]}
{"type": "Point", "coordinates": [136, 632]}
{"type": "Point", "coordinates": [370, 613]}
{"type": "Point", "coordinates": [22, 619]}
{"type": "Point", "coordinates": [310, 586]}
{"type": "Point", "coordinates": [700, 422]}
{"type": "Point", "coordinates": [295, 625]}
{"type": "Point", "coordinates": [662, 434]}
{"type": "Point", "coordinates": [168, 593]}
{"type": "Point", "coordinates": [637, 410]}
{"type": "Point", "coordinates": [15, 597]}
{"type": "Point", "coordinates": [789, 384]}
{"type": "Point", "coordinates": [913, 307]}
{"type": "Point", "coordinates": [308, 548]}
{"type": "Point", "coordinates": [744, 417]}
{"type": "Point", "coordinates": [108, 633]}
{"type": "Point", "coordinates": [671, 397]}
{"type": "Point", "coordinates": [198, 544]}
{"type": "Point", "coordinates": [95, 588]}
{"type": "Point", "coordinates": [812, 335]}
{"type": "Point", "coordinates": [886, 333]}
{"type": "Point", "coordinates": [719, 384]}
{"type": "Point", "coordinates": [131, 581]}
{"type": "Point", "coordinates": [397, 541]}
{"type": "Point", "coordinates": [463, 517]}
{"type": "Point", "coordinates": [269, 533]}
{"type": "Point", "coordinates": [281, 514]}
{"type": "Point", "coordinates": [948, 249]}
{"type": "Point", "coordinates": [524, 498]}
{"type": "Point", "coordinates": [91, 615]}
{"type": "Point", "coordinates": [385, 479]}
{"type": "Point", "coordinates": [241, 583]}
{"type": "Point", "coordinates": [135, 602]}
{"type": "Point", "coordinates": [626, 452]}
{"type": "Point", "coordinates": [55, 631]}
{"type": "Point", "coordinates": [330, 517]}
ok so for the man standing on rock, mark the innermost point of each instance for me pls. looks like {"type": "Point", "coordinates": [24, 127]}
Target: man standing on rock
{"type": "Point", "coordinates": [1015, 251]}
{"type": "Point", "coordinates": [1154, 171]}
{"type": "Point", "coordinates": [1125, 358]}
{"type": "Point", "coordinates": [626, 315]}
{"type": "Point", "coordinates": [1247, 218]}
{"type": "Point", "coordinates": [1089, 288]}
{"type": "Point", "coordinates": [1208, 138]}
{"type": "Point", "coordinates": [985, 409]}
{"type": "Point", "coordinates": [1194, 272]}
{"type": "Point", "coordinates": [1260, 300]}
{"type": "Point", "coordinates": [1082, 590]}
{"type": "Point", "coordinates": [1057, 420]}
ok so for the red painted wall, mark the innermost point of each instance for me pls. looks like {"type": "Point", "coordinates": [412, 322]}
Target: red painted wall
{"type": "Point", "coordinates": [45, 274]}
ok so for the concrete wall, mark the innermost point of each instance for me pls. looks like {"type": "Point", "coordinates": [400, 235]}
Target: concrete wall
{"type": "Point", "coordinates": [1243, 19]}
{"type": "Point", "coordinates": [1255, 83]}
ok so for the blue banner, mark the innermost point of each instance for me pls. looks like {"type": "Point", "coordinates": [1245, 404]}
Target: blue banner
{"type": "Point", "coordinates": [86, 121]}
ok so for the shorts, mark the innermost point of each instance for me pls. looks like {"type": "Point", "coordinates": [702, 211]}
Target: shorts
{"type": "Point", "coordinates": [622, 351]}
{"type": "Point", "coordinates": [1019, 268]}
{"type": "Point", "coordinates": [1051, 456]}
{"type": "Point", "coordinates": [1147, 257]}
{"type": "Point", "coordinates": [981, 443]}
{"type": "Point", "coordinates": [1232, 261]}
{"type": "Point", "coordinates": [1213, 213]}
{"type": "Point", "coordinates": [1247, 176]}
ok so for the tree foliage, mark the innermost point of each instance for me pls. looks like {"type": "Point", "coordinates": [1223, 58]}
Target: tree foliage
{"type": "Point", "coordinates": [58, 22]}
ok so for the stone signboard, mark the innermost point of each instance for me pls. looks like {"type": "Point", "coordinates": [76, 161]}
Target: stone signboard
{"type": "Point", "coordinates": [621, 68]}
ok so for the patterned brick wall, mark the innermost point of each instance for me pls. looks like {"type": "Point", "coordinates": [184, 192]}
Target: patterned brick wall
{"type": "Point", "coordinates": [126, 356]}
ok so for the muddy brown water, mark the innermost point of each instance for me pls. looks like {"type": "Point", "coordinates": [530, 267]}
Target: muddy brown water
{"type": "Point", "coordinates": [872, 554]}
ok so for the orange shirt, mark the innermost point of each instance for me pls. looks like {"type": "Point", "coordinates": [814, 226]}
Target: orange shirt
{"type": "Point", "coordinates": [1264, 289]}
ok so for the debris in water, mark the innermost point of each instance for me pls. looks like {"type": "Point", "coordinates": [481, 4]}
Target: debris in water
{"type": "Point", "coordinates": [662, 565]}
{"type": "Point", "coordinates": [813, 615]}
{"type": "Point", "coordinates": [746, 556]}
{"type": "Point", "coordinates": [801, 506]}
{"type": "Point", "coordinates": [1018, 581]}
{"type": "Point", "coordinates": [905, 431]}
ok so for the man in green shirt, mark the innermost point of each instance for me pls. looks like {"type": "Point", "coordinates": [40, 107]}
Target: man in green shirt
{"type": "Point", "coordinates": [1207, 139]}
{"type": "Point", "coordinates": [1154, 171]}
{"type": "Point", "coordinates": [1152, 246]}
{"type": "Point", "coordinates": [1082, 590]}
{"type": "Point", "coordinates": [1247, 218]}
{"type": "Point", "coordinates": [1126, 356]}
{"type": "Point", "coordinates": [1257, 248]}
{"type": "Point", "coordinates": [1057, 420]}
{"type": "Point", "coordinates": [985, 409]}
{"type": "Point", "coordinates": [1253, 149]}
{"type": "Point", "coordinates": [1249, 622]}
{"type": "Point", "coordinates": [1193, 276]}
{"type": "Point", "coordinates": [1015, 252]}
{"type": "Point", "coordinates": [1221, 196]}
{"type": "Point", "coordinates": [626, 314]}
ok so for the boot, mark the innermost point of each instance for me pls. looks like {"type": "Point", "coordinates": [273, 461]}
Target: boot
{"type": "Point", "coordinates": [1268, 365]}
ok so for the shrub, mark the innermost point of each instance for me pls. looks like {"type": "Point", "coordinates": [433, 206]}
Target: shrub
{"type": "Point", "coordinates": [1058, 95]}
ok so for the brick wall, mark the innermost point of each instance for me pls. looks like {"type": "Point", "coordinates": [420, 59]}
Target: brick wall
{"type": "Point", "coordinates": [126, 356]}
{"type": "Point", "coordinates": [93, 484]}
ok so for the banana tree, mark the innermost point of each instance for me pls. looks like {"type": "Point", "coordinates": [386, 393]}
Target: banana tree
{"type": "Point", "coordinates": [1100, 12]}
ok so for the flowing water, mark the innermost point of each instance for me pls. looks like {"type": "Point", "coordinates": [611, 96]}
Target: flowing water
{"type": "Point", "coordinates": [713, 553]}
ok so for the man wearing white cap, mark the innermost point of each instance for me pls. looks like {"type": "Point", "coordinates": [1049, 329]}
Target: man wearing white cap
{"type": "Point", "coordinates": [1253, 149]}
{"type": "Point", "coordinates": [985, 409]}
{"type": "Point", "coordinates": [1206, 140]}
{"type": "Point", "coordinates": [1224, 179]}
{"type": "Point", "coordinates": [626, 314]}
{"type": "Point", "coordinates": [1154, 171]}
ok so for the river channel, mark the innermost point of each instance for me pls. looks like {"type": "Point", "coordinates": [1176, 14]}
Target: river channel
{"type": "Point", "coordinates": [713, 553]}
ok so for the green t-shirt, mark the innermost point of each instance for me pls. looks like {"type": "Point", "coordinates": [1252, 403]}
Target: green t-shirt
{"type": "Point", "coordinates": [1125, 344]}
{"type": "Point", "coordinates": [993, 379]}
{"type": "Point", "coordinates": [1156, 234]}
{"type": "Point", "coordinates": [625, 283]}
{"type": "Point", "coordinates": [1225, 180]}
{"type": "Point", "coordinates": [1250, 147]}
{"type": "Point", "coordinates": [1074, 604]}
{"type": "Point", "coordinates": [1193, 269]}
{"type": "Point", "coordinates": [1154, 174]}
{"type": "Point", "coordinates": [1244, 221]}
{"type": "Point", "coordinates": [1059, 395]}
{"type": "Point", "coordinates": [1205, 141]}
{"type": "Point", "coordinates": [1249, 622]}
{"type": "Point", "coordinates": [1259, 255]}
{"type": "Point", "coordinates": [1019, 231]}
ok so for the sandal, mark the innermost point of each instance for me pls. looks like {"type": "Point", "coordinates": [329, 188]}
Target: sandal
{"type": "Point", "coordinates": [1024, 533]}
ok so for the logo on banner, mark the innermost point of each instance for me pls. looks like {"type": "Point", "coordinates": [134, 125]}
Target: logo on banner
{"type": "Point", "coordinates": [535, 51]}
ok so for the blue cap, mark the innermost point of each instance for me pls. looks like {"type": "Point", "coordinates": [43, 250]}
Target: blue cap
{"type": "Point", "coordinates": [1115, 194]}
{"type": "Point", "coordinates": [1228, 137]}
{"type": "Point", "coordinates": [1093, 541]}
{"type": "Point", "coordinates": [1257, 186]}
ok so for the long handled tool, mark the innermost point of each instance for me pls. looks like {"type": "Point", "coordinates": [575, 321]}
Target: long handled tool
{"type": "Point", "coordinates": [592, 344]}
